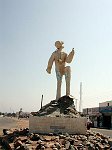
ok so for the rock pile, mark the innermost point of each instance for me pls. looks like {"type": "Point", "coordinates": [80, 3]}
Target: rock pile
{"type": "Point", "coordinates": [64, 106]}
{"type": "Point", "coordinates": [22, 140]}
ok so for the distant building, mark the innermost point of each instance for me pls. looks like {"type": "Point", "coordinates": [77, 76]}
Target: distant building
{"type": "Point", "coordinates": [105, 104]}
{"type": "Point", "coordinates": [105, 109]}
{"type": "Point", "coordinates": [93, 114]}
{"type": "Point", "coordinates": [22, 114]}
{"type": "Point", "coordinates": [100, 116]}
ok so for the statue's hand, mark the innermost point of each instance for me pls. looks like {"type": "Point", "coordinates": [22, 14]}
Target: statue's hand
{"type": "Point", "coordinates": [73, 50]}
{"type": "Point", "coordinates": [48, 70]}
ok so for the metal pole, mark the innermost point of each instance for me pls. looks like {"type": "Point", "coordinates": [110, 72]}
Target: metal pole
{"type": "Point", "coordinates": [41, 101]}
{"type": "Point", "coordinates": [76, 103]}
{"type": "Point", "coordinates": [80, 103]}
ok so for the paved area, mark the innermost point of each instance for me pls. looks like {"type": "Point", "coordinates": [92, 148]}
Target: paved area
{"type": "Point", "coordinates": [103, 131]}
{"type": "Point", "coordinates": [8, 122]}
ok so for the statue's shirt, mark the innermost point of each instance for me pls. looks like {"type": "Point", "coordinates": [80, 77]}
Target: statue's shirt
{"type": "Point", "coordinates": [60, 58]}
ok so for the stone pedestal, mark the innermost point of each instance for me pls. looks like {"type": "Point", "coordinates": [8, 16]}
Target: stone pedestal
{"type": "Point", "coordinates": [58, 116]}
{"type": "Point", "coordinates": [46, 125]}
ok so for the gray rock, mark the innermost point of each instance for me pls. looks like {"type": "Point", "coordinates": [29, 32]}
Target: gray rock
{"type": "Point", "coordinates": [72, 147]}
{"type": "Point", "coordinates": [42, 147]}
{"type": "Point", "coordinates": [100, 146]}
{"type": "Point", "coordinates": [110, 141]}
{"type": "Point", "coordinates": [58, 146]}
{"type": "Point", "coordinates": [67, 144]}
{"type": "Point", "coordinates": [55, 148]}
{"type": "Point", "coordinates": [62, 136]}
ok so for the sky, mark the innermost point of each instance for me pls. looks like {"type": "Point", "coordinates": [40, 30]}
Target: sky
{"type": "Point", "coordinates": [28, 31]}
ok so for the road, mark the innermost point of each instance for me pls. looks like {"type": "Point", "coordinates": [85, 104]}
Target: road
{"type": "Point", "coordinates": [103, 131]}
{"type": "Point", "coordinates": [8, 123]}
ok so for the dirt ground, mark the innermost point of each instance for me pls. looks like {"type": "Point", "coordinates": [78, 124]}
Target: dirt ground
{"type": "Point", "coordinates": [13, 123]}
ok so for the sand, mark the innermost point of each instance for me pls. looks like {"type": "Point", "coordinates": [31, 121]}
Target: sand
{"type": "Point", "coordinates": [13, 123]}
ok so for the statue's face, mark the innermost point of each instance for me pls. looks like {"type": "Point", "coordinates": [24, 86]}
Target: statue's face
{"type": "Point", "coordinates": [58, 44]}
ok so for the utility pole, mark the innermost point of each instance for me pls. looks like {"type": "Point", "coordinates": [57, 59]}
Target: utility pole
{"type": "Point", "coordinates": [41, 101]}
{"type": "Point", "coordinates": [76, 103]}
{"type": "Point", "coordinates": [80, 102]}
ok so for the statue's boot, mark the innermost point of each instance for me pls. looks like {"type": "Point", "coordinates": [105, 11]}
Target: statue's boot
{"type": "Point", "coordinates": [67, 78]}
{"type": "Point", "coordinates": [58, 95]}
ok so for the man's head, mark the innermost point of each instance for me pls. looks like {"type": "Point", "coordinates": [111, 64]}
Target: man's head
{"type": "Point", "coordinates": [59, 44]}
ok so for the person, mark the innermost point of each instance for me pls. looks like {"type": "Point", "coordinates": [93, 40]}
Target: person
{"type": "Point", "coordinates": [89, 124]}
{"type": "Point", "coordinates": [61, 58]}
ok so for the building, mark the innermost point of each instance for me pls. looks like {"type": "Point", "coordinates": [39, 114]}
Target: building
{"type": "Point", "coordinates": [100, 116]}
{"type": "Point", "coordinates": [22, 114]}
{"type": "Point", "coordinates": [105, 104]}
{"type": "Point", "coordinates": [105, 109]}
{"type": "Point", "coordinates": [93, 114]}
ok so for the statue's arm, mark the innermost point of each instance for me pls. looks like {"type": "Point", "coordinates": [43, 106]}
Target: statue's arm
{"type": "Point", "coordinates": [50, 63]}
{"type": "Point", "coordinates": [69, 58]}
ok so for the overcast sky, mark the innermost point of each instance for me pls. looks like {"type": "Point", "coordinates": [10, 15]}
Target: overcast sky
{"type": "Point", "coordinates": [28, 31]}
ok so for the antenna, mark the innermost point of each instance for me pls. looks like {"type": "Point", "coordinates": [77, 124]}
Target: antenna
{"type": "Point", "coordinates": [80, 103]}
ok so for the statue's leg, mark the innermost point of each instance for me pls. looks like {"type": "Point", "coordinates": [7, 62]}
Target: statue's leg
{"type": "Point", "coordinates": [58, 95]}
{"type": "Point", "coordinates": [59, 82]}
{"type": "Point", "coordinates": [67, 78]}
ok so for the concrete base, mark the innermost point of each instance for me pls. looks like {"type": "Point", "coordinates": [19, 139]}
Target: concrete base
{"type": "Point", "coordinates": [45, 125]}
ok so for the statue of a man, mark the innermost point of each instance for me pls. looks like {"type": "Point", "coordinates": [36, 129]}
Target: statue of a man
{"type": "Point", "coordinates": [61, 58]}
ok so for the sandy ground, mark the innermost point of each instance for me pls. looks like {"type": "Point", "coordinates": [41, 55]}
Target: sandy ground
{"type": "Point", "coordinates": [12, 123]}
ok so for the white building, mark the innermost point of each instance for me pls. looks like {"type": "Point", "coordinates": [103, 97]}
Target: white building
{"type": "Point", "coordinates": [104, 104]}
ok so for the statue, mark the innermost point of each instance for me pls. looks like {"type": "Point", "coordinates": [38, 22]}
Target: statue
{"type": "Point", "coordinates": [61, 58]}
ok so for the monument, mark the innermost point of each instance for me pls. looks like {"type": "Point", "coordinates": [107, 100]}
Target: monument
{"type": "Point", "coordinates": [61, 58]}
{"type": "Point", "coordinates": [60, 115]}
